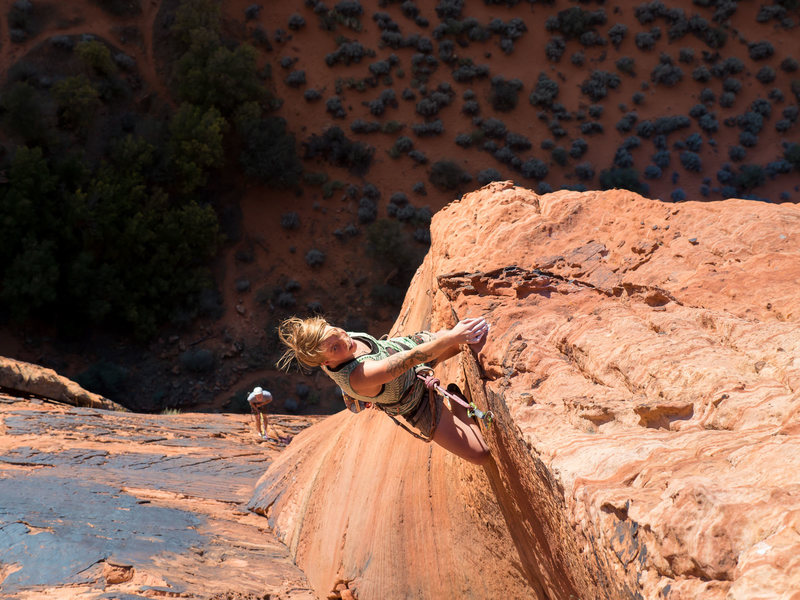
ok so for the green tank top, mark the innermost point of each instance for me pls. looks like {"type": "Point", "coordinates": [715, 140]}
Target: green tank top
{"type": "Point", "coordinates": [399, 396]}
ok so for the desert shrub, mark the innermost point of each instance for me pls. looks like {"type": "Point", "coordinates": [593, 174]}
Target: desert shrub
{"type": "Point", "coordinates": [290, 220]}
{"type": "Point", "coordinates": [652, 172]}
{"type": "Point", "coordinates": [577, 59]}
{"type": "Point", "coordinates": [766, 74]}
{"type": "Point", "coordinates": [760, 50]}
{"type": "Point", "coordinates": [339, 151]}
{"type": "Point", "coordinates": [534, 168]}
{"type": "Point", "coordinates": [762, 107]}
{"type": "Point", "coordinates": [315, 257]}
{"type": "Point", "coordinates": [574, 22]}
{"type": "Point", "coordinates": [312, 95]}
{"type": "Point", "coordinates": [447, 175]}
{"type": "Point", "coordinates": [578, 148]}
{"type": "Point", "coordinates": [736, 153]}
{"type": "Point", "coordinates": [419, 188]}
{"type": "Point", "coordinates": [623, 158]}
{"type": "Point", "coordinates": [334, 107]}
{"type": "Point", "coordinates": [626, 64]}
{"type": "Point", "coordinates": [269, 152]}
{"type": "Point", "coordinates": [296, 22]}
{"type": "Point", "coordinates": [791, 152]}
{"type": "Point", "coordinates": [403, 144]}
{"type": "Point", "coordinates": [783, 125]}
{"type": "Point", "coordinates": [517, 141]}
{"type": "Point", "coordinates": [504, 94]}
{"type": "Point", "coordinates": [597, 84]}
{"type": "Point", "coordinates": [488, 175]}
{"type": "Point", "coordinates": [418, 157]}
{"type": "Point", "coordinates": [584, 171]}
{"type": "Point", "coordinates": [555, 48]}
{"type": "Point", "coordinates": [691, 161]}
{"type": "Point", "coordinates": [789, 65]}
{"type": "Point", "coordinates": [727, 99]}
{"type": "Point", "coordinates": [791, 112]}
{"type": "Point", "coordinates": [749, 177]}
{"type": "Point", "coordinates": [645, 40]}
{"type": "Point", "coordinates": [467, 72]}
{"type": "Point", "coordinates": [627, 122]}
{"type": "Point", "coordinates": [694, 142]}
{"type": "Point", "coordinates": [751, 122]}
{"type": "Point", "coordinates": [348, 52]}
{"type": "Point", "coordinates": [666, 73]}
{"type": "Point", "coordinates": [701, 74]}
{"type": "Point", "coordinates": [545, 92]}
{"type": "Point", "coordinates": [627, 179]}
{"type": "Point", "coordinates": [362, 126]}
{"type": "Point", "coordinates": [428, 129]}
{"type": "Point", "coordinates": [686, 55]}
{"type": "Point", "coordinates": [661, 159]}
{"type": "Point", "coordinates": [493, 128]}
{"type": "Point", "coordinates": [617, 33]}
{"type": "Point", "coordinates": [296, 78]}
{"type": "Point", "coordinates": [748, 139]}
{"type": "Point", "coordinates": [678, 195]}
{"type": "Point", "coordinates": [591, 127]}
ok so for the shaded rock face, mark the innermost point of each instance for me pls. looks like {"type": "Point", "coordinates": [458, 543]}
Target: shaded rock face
{"type": "Point", "coordinates": [643, 368]}
{"type": "Point", "coordinates": [100, 504]}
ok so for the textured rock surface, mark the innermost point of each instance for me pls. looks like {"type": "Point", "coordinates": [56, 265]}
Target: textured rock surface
{"type": "Point", "coordinates": [643, 366]}
{"type": "Point", "coordinates": [19, 376]}
{"type": "Point", "coordinates": [99, 504]}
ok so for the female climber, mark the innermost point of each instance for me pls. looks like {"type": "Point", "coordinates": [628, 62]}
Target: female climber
{"type": "Point", "coordinates": [383, 373]}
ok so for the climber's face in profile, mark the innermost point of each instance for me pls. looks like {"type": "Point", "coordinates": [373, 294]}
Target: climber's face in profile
{"type": "Point", "coordinates": [337, 347]}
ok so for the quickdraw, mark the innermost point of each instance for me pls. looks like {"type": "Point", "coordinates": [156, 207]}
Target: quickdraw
{"type": "Point", "coordinates": [432, 383]}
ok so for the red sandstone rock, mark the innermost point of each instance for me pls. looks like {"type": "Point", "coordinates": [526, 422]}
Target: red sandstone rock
{"type": "Point", "coordinates": [643, 367]}
{"type": "Point", "coordinates": [18, 376]}
{"type": "Point", "coordinates": [100, 504]}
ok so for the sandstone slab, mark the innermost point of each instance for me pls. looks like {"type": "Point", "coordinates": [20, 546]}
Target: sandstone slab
{"type": "Point", "coordinates": [643, 367]}
{"type": "Point", "coordinates": [101, 504]}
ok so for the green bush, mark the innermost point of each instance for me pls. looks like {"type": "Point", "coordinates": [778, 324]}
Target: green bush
{"type": "Point", "coordinates": [23, 112]}
{"type": "Point", "coordinates": [77, 101]}
{"type": "Point", "coordinates": [105, 378]}
{"type": "Point", "coordinates": [195, 144]}
{"type": "Point", "coordinates": [625, 179]}
{"type": "Point", "coordinates": [97, 57]}
{"type": "Point", "coordinates": [270, 153]}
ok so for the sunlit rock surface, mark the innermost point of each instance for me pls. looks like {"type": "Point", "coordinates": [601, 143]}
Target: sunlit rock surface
{"type": "Point", "coordinates": [643, 367]}
{"type": "Point", "coordinates": [99, 504]}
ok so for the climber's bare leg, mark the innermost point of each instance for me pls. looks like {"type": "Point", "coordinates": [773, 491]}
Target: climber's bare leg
{"type": "Point", "coordinates": [457, 433]}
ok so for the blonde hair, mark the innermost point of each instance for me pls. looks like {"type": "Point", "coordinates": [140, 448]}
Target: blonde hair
{"type": "Point", "coordinates": [303, 340]}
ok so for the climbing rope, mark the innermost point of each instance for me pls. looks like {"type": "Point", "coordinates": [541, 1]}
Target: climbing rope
{"type": "Point", "coordinates": [432, 383]}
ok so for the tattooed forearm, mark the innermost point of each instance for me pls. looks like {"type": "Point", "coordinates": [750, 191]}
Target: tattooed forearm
{"type": "Point", "coordinates": [403, 361]}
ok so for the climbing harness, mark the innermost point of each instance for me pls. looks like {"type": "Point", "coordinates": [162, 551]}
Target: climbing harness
{"type": "Point", "coordinates": [432, 383]}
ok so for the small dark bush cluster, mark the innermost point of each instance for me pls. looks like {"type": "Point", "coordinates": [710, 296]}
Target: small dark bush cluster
{"type": "Point", "coordinates": [646, 40]}
{"type": "Point", "coordinates": [591, 127]}
{"type": "Point", "coordinates": [418, 157]}
{"type": "Point", "coordinates": [296, 78]}
{"type": "Point", "coordinates": [760, 50]}
{"type": "Point", "coordinates": [428, 129]}
{"type": "Point", "coordinates": [626, 179]}
{"type": "Point", "coordinates": [339, 151]}
{"type": "Point", "coordinates": [617, 33]}
{"type": "Point", "coordinates": [362, 126]}
{"type": "Point", "coordinates": [626, 123]}
{"type": "Point", "coordinates": [447, 175]}
{"type": "Point", "coordinates": [311, 95]}
{"type": "Point", "coordinates": [488, 175]}
{"type": "Point", "coordinates": [493, 128]}
{"type": "Point", "coordinates": [597, 84]}
{"type": "Point", "coordinates": [467, 72]}
{"type": "Point", "coordinates": [433, 103]}
{"type": "Point", "coordinates": [296, 22]}
{"type": "Point", "coordinates": [666, 73]}
{"type": "Point", "coordinates": [545, 92]}
{"type": "Point", "coordinates": [348, 52]}
{"type": "Point", "coordinates": [574, 22]}
{"type": "Point", "coordinates": [334, 106]}
{"type": "Point", "coordinates": [290, 220]}
{"type": "Point", "coordinates": [505, 93]}
{"type": "Point", "coordinates": [691, 161]}
{"type": "Point", "coordinates": [517, 141]}
{"type": "Point", "coordinates": [533, 168]}
{"type": "Point", "coordinates": [315, 258]}
{"type": "Point", "coordinates": [626, 65]}
{"type": "Point", "coordinates": [555, 48]}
